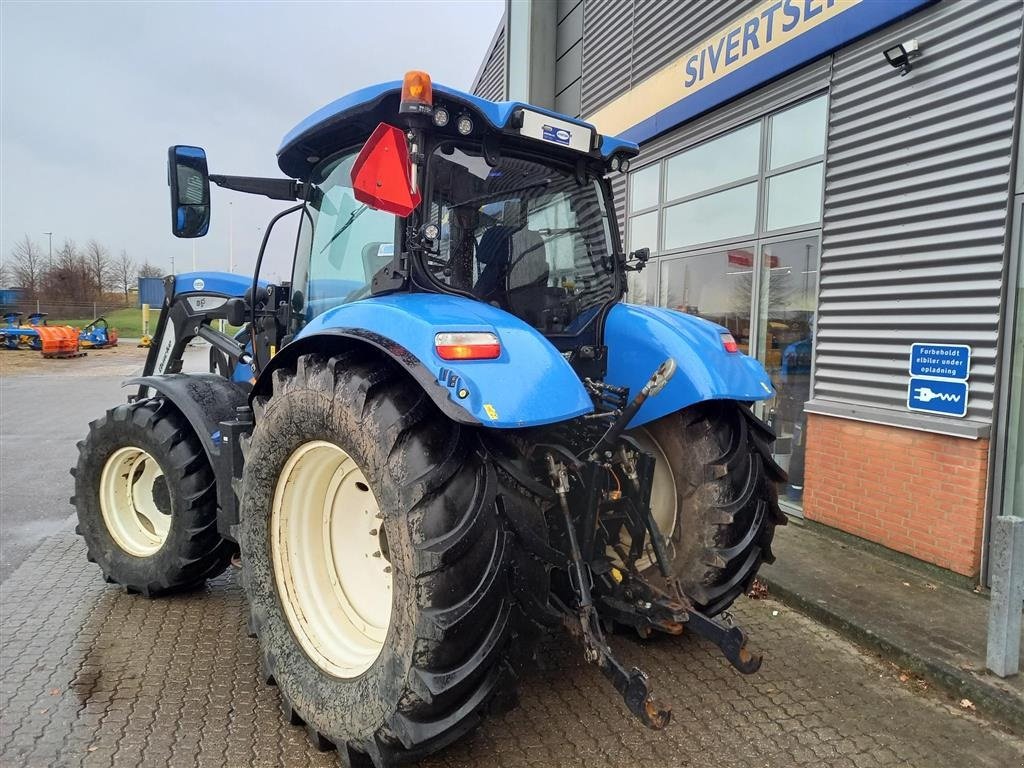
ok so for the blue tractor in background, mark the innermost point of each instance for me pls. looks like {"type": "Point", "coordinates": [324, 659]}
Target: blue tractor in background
{"type": "Point", "coordinates": [445, 434]}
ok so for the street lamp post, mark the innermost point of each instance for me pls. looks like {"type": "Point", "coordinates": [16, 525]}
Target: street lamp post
{"type": "Point", "coordinates": [50, 236]}
{"type": "Point", "coordinates": [231, 237]}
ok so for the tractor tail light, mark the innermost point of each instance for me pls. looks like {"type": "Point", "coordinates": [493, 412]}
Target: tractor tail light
{"type": "Point", "coordinates": [417, 94]}
{"type": "Point", "coordinates": [729, 343]}
{"type": "Point", "coordinates": [467, 346]}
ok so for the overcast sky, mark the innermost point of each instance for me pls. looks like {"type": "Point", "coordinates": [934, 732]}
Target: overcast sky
{"type": "Point", "coordinates": [92, 94]}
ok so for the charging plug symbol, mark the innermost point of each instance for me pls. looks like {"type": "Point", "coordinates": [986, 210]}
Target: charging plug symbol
{"type": "Point", "coordinates": [926, 395]}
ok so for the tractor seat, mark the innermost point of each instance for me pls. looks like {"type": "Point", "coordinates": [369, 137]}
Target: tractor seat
{"type": "Point", "coordinates": [516, 257]}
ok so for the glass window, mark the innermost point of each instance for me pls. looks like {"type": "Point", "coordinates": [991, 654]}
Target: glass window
{"type": "Point", "coordinates": [730, 158]}
{"type": "Point", "coordinates": [529, 238]}
{"type": "Point", "coordinates": [798, 133]}
{"type": "Point", "coordinates": [350, 241]}
{"type": "Point", "coordinates": [644, 187]}
{"type": "Point", "coordinates": [789, 280]}
{"type": "Point", "coordinates": [1013, 477]}
{"type": "Point", "coordinates": [642, 286]}
{"type": "Point", "coordinates": [643, 232]}
{"type": "Point", "coordinates": [715, 286]}
{"type": "Point", "coordinates": [729, 213]}
{"type": "Point", "coordinates": [794, 198]}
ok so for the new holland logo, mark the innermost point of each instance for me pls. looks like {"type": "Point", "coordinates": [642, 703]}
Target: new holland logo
{"type": "Point", "coordinates": [557, 135]}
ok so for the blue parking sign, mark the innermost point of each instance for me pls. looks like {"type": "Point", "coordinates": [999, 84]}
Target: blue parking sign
{"type": "Point", "coordinates": [941, 361]}
{"type": "Point", "coordinates": [948, 398]}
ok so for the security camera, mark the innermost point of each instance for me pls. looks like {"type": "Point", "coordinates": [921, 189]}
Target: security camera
{"type": "Point", "coordinates": [901, 54]}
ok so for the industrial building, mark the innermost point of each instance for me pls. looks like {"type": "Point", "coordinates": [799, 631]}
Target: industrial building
{"type": "Point", "coordinates": [839, 183]}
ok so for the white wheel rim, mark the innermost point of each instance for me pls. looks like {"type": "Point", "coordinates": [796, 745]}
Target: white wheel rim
{"type": "Point", "coordinates": [137, 517]}
{"type": "Point", "coordinates": [664, 499]}
{"type": "Point", "coordinates": [330, 559]}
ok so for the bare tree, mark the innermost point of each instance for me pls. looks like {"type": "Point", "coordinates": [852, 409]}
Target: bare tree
{"type": "Point", "coordinates": [6, 273]}
{"type": "Point", "coordinates": [71, 278]}
{"type": "Point", "coordinates": [124, 274]}
{"type": "Point", "coordinates": [148, 270]}
{"type": "Point", "coordinates": [28, 267]}
{"type": "Point", "coordinates": [98, 260]}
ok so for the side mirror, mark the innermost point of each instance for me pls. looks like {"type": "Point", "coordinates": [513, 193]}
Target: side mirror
{"type": "Point", "coordinates": [641, 254]}
{"type": "Point", "coordinates": [189, 180]}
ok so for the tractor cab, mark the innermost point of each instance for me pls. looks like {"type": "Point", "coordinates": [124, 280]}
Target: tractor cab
{"type": "Point", "coordinates": [411, 186]}
{"type": "Point", "coordinates": [500, 203]}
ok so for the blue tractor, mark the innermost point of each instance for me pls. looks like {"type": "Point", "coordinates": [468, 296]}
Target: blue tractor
{"type": "Point", "coordinates": [446, 434]}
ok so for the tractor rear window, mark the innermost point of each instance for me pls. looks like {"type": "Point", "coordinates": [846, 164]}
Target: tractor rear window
{"type": "Point", "coordinates": [527, 237]}
{"type": "Point", "coordinates": [347, 241]}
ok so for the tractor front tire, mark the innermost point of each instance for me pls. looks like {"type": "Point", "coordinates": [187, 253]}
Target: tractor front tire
{"type": "Point", "coordinates": [721, 493]}
{"type": "Point", "coordinates": [146, 500]}
{"type": "Point", "coordinates": [377, 565]}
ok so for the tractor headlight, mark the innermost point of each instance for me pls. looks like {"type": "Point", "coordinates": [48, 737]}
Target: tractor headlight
{"type": "Point", "coordinates": [464, 125]}
{"type": "Point", "coordinates": [440, 117]}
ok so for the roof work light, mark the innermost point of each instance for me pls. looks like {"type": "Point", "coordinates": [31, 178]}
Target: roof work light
{"type": "Point", "coordinates": [417, 94]}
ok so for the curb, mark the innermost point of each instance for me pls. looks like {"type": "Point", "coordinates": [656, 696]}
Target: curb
{"type": "Point", "coordinates": [989, 700]}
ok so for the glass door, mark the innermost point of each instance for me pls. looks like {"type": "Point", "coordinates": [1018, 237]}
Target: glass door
{"type": "Point", "coordinates": [788, 289]}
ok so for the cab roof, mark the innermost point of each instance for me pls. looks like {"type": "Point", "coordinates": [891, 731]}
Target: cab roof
{"type": "Point", "coordinates": [350, 119]}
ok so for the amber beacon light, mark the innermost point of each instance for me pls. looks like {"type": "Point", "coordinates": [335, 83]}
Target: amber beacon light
{"type": "Point", "coordinates": [417, 94]}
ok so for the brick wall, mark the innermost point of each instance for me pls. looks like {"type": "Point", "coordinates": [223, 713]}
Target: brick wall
{"type": "Point", "coordinates": [915, 492]}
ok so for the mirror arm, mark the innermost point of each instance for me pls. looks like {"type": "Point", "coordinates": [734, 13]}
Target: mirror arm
{"type": "Point", "coordinates": [275, 189]}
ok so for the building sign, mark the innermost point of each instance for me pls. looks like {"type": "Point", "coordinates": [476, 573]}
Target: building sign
{"type": "Point", "coordinates": [775, 37]}
{"type": "Point", "coordinates": [938, 378]}
{"type": "Point", "coordinates": [946, 361]}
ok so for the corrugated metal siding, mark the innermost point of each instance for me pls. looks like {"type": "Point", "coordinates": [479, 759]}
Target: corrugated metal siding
{"type": "Point", "coordinates": [627, 41]}
{"type": "Point", "coordinates": [618, 181]}
{"type": "Point", "coordinates": [607, 37]}
{"type": "Point", "coordinates": [663, 30]}
{"type": "Point", "coordinates": [490, 82]}
{"type": "Point", "coordinates": [916, 203]}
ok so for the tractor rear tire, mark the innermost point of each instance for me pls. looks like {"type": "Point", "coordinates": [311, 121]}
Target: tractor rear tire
{"type": "Point", "coordinates": [726, 499]}
{"type": "Point", "coordinates": [416, 657]}
{"type": "Point", "coordinates": [146, 500]}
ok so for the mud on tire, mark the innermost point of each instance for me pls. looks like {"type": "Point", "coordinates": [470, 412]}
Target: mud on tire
{"type": "Point", "coordinates": [192, 550]}
{"type": "Point", "coordinates": [446, 658]}
{"type": "Point", "coordinates": [727, 506]}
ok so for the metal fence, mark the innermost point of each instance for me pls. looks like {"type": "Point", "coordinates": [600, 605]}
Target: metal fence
{"type": "Point", "coordinates": [65, 310]}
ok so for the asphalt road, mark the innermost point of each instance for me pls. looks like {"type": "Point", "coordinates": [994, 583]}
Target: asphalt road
{"type": "Point", "coordinates": [45, 409]}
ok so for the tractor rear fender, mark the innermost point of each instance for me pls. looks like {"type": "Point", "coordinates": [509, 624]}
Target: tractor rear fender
{"type": "Point", "coordinates": [640, 338]}
{"type": "Point", "coordinates": [205, 400]}
{"type": "Point", "coordinates": [528, 384]}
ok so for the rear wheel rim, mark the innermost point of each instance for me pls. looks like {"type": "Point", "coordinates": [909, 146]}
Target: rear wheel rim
{"type": "Point", "coordinates": [135, 502]}
{"type": "Point", "coordinates": [331, 559]}
{"type": "Point", "coordinates": [664, 499]}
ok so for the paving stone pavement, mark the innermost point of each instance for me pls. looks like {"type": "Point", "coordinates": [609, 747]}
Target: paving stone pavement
{"type": "Point", "coordinates": [92, 676]}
